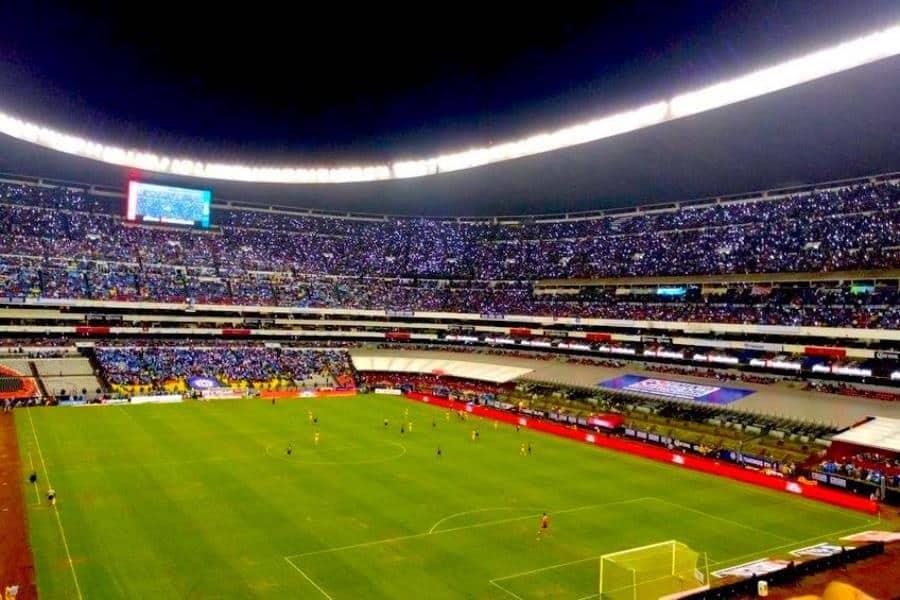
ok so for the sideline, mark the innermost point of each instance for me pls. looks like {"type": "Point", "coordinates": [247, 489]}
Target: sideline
{"type": "Point", "coordinates": [62, 532]}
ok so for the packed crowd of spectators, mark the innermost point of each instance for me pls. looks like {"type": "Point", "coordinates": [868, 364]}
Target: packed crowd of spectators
{"type": "Point", "coordinates": [158, 365]}
{"type": "Point", "coordinates": [61, 243]}
{"type": "Point", "coordinates": [846, 389]}
{"type": "Point", "coordinates": [865, 466]}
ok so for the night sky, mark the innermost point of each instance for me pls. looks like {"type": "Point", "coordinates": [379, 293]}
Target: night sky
{"type": "Point", "coordinates": [352, 84]}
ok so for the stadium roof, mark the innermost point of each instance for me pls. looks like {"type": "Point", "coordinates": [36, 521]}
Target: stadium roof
{"type": "Point", "coordinates": [825, 116]}
{"type": "Point", "coordinates": [880, 432]}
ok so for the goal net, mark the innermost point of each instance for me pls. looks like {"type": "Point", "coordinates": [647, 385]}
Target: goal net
{"type": "Point", "coordinates": [664, 570]}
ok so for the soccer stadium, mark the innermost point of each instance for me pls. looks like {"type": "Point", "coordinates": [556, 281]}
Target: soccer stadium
{"type": "Point", "coordinates": [638, 345]}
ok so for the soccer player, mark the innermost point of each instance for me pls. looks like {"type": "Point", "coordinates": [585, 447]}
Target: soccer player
{"type": "Point", "coordinates": [51, 496]}
{"type": "Point", "coordinates": [309, 415]}
{"type": "Point", "coordinates": [290, 449]}
{"type": "Point", "coordinates": [316, 438]}
{"type": "Point", "coordinates": [522, 449]}
{"type": "Point", "coordinates": [401, 429]}
{"type": "Point", "coordinates": [473, 435]}
{"type": "Point", "coordinates": [439, 452]}
{"type": "Point", "coordinates": [477, 434]}
{"type": "Point", "coordinates": [433, 424]}
{"type": "Point", "coordinates": [496, 425]}
{"type": "Point", "coordinates": [545, 526]}
{"type": "Point", "coordinates": [32, 478]}
{"type": "Point", "coordinates": [385, 423]}
{"type": "Point", "coordinates": [409, 427]}
{"type": "Point", "coordinates": [529, 448]}
{"type": "Point", "coordinates": [315, 420]}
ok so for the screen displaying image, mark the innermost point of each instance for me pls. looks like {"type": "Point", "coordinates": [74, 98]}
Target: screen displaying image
{"type": "Point", "coordinates": [153, 203]}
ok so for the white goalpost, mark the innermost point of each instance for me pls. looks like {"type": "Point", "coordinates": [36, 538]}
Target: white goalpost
{"type": "Point", "coordinates": [666, 570]}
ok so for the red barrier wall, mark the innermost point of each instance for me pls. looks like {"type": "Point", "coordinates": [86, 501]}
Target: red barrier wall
{"type": "Point", "coordinates": [825, 351]}
{"type": "Point", "coordinates": [598, 337]}
{"type": "Point", "coordinates": [519, 332]}
{"type": "Point", "coordinates": [91, 330]}
{"type": "Point", "coordinates": [658, 453]}
{"type": "Point", "coordinates": [236, 332]}
{"type": "Point", "coordinates": [396, 335]}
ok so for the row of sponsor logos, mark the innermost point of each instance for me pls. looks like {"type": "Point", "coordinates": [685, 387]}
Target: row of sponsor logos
{"type": "Point", "coordinates": [220, 393]}
{"type": "Point", "coordinates": [831, 479]}
{"type": "Point", "coordinates": [764, 566]}
{"type": "Point", "coordinates": [729, 455]}
{"type": "Point", "coordinates": [389, 391]}
{"type": "Point", "coordinates": [158, 399]}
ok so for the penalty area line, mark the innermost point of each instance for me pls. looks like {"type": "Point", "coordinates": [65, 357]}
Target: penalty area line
{"type": "Point", "coordinates": [465, 527]}
{"type": "Point", "coordinates": [506, 591]}
{"type": "Point", "coordinates": [308, 578]}
{"type": "Point", "coordinates": [723, 519]}
{"type": "Point", "coordinates": [735, 559]}
{"type": "Point", "coordinates": [731, 560]}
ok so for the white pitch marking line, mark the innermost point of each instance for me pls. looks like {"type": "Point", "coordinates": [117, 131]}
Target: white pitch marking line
{"type": "Point", "coordinates": [548, 568]}
{"type": "Point", "coordinates": [37, 494]}
{"type": "Point", "coordinates": [462, 528]}
{"type": "Point", "coordinates": [506, 591]}
{"type": "Point", "coordinates": [469, 512]}
{"type": "Point", "coordinates": [62, 532]}
{"type": "Point", "coordinates": [735, 559]}
{"type": "Point", "coordinates": [308, 578]}
{"type": "Point", "coordinates": [729, 560]}
{"type": "Point", "coordinates": [723, 519]}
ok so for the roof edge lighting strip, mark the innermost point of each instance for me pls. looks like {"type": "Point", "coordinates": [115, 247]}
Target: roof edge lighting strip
{"type": "Point", "coordinates": [843, 57]}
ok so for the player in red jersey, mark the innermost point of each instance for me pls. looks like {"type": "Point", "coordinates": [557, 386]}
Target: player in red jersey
{"type": "Point", "coordinates": [545, 526]}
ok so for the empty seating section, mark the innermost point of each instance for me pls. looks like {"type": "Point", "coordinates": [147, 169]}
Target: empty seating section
{"type": "Point", "coordinates": [12, 366]}
{"type": "Point", "coordinates": [77, 385]}
{"type": "Point", "coordinates": [59, 367]}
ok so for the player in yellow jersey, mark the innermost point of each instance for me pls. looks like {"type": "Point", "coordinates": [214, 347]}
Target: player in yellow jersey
{"type": "Point", "coordinates": [316, 438]}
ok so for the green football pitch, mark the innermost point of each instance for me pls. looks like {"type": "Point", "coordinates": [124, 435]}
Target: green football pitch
{"type": "Point", "coordinates": [201, 500]}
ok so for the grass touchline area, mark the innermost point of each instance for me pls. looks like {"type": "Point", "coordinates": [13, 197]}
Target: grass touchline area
{"type": "Point", "coordinates": [204, 500]}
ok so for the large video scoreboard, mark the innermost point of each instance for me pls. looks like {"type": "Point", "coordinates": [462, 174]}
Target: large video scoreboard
{"type": "Point", "coordinates": [152, 203]}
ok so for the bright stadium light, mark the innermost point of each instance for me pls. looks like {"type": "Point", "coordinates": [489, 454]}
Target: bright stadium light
{"type": "Point", "coordinates": [807, 68]}
{"type": "Point", "coordinates": [877, 46]}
